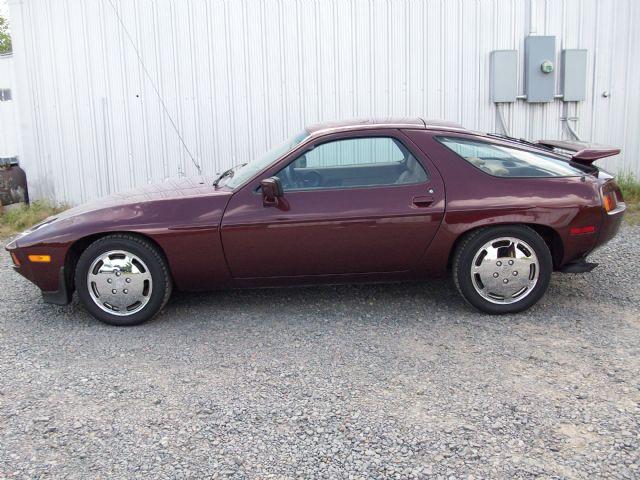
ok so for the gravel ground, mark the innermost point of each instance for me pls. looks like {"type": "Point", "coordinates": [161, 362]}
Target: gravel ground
{"type": "Point", "coordinates": [398, 381]}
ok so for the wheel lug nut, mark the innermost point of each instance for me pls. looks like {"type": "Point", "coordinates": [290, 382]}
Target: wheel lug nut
{"type": "Point", "coordinates": [510, 262]}
{"type": "Point", "coordinates": [114, 291]}
{"type": "Point", "coordinates": [505, 281]}
{"type": "Point", "coordinates": [125, 291]}
{"type": "Point", "coordinates": [117, 274]}
{"type": "Point", "coordinates": [495, 275]}
{"type": "Point", "coordinates": [499, 263]}
{"type": "Point", "coordinates": [515, 274]}
{"type": "Point", "coordinates": [128, 280]}
{"type": "Point", "coordinates": [109, 280]}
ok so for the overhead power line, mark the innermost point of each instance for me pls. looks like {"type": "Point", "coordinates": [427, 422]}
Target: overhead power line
{"type": "Point", "coordinates": [153, 84]}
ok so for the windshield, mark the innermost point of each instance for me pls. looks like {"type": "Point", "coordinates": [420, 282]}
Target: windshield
{"type": "Point", "coordinates": [244, 173]}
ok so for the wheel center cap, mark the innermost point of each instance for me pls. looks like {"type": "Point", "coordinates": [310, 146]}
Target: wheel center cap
{"type": "Point", "coordinates": [119, 282]}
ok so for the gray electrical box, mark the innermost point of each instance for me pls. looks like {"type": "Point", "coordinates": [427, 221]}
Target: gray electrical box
{"type": "Point", "coordinates": [574, 75]}
{"type": "Point", "coordinates": [504, 75]}
{"type": "Point", "coordinates": [539, 68]}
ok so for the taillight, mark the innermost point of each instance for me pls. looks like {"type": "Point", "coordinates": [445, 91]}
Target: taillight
{"type": "Point", "coordinates": [609, 201]}
{"type": "Point", "coordinates": [611, 196]}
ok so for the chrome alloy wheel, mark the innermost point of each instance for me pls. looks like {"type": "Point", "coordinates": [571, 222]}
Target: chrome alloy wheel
{"type": "Point", "coordinates": [505, 270]}
{"type": "Point", "coordinates": [119, 283]}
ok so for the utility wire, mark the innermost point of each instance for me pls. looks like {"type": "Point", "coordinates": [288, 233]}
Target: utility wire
{"type": "Point", "coordinates": [153, 84]}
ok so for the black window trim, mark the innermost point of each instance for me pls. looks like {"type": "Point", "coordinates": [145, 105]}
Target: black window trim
{"type": "Point", "coordinates": [401, 146]}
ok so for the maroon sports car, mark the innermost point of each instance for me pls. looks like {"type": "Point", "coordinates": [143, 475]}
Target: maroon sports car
{"type": "Point", "coordinates": [344, 202]}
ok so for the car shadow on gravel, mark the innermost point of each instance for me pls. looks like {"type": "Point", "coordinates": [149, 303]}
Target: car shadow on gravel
{"type": "Point", "coordinates": [337, 299]}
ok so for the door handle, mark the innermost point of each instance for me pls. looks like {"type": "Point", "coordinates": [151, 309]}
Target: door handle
{"type": "Point", "coordinates": [422, 201]}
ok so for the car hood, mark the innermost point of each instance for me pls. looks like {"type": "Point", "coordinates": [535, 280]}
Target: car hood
{"type": "Point", "coordinates": [167, 190]}
{"type": "Point", "coordinates": [144, 206]}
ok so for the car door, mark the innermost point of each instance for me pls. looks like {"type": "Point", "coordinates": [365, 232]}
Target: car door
{"type": "Point", "coordinates": [358, 202]}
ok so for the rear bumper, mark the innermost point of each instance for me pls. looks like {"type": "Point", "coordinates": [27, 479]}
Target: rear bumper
{"type": "Point", "coordinates": [578, 266]}
{"type": "Point", "coordinates": [611, 223]}
{"type": "Point", "coordinates": [578, 246]}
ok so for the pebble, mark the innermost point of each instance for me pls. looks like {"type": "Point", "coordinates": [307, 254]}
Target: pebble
{"type": "Point", "coordinates": [367, 381]}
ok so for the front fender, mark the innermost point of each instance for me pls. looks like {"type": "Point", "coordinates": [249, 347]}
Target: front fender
{"type": "Point", "coordinates": [185, 229]}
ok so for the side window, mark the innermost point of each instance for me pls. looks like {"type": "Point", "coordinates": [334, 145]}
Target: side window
{"type": "Point", "coordinates": [502, 161]}
{"type": "Point", "coordinates": [354, 162]}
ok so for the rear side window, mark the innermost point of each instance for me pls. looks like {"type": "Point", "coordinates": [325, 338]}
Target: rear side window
{"type": "Point", "coordinates": [502, 161]}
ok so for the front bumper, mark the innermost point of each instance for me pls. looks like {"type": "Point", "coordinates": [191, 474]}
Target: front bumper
{"type": "Point", "coordinates": [62, 296]}
{"type": "Point", "coordinates": [51, 278]}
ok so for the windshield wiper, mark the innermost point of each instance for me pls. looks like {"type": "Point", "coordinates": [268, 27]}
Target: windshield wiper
{"type": "Point", "coordinates": [227, 173]}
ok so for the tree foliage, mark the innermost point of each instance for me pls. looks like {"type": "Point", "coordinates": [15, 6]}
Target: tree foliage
{"type": "Point", "coordinates": [5, 38]}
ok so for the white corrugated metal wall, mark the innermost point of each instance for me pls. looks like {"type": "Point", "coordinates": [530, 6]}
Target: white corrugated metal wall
{"type": "Point", "coordinates": [239, 76]}
{"type": "Point", "coordinates": [9, 119]}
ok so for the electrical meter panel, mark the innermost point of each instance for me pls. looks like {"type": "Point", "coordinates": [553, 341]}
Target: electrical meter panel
{"type": "Point", "coordinates": [539, 68]}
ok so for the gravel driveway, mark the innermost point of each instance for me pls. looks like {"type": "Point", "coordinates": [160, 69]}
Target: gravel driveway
{"type": "Point", "coordinates": [398, 381]}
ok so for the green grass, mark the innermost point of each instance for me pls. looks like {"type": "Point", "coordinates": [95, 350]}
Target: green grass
{"type": "Point", "coordinates": [630, 187]}
{"type": "Point", "coordinates": [14, 220]}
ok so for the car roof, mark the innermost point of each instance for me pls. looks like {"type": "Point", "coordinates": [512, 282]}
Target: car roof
{"type": "Point", "coordinates": [420, 123]}
{"type": "Point", "coordinates": [366, 123]}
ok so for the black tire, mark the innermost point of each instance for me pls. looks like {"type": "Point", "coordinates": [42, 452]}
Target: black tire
{"type": "Point", "coordinates": [473, 242]}
{"type": "Point", "coordinates": [152, 258]}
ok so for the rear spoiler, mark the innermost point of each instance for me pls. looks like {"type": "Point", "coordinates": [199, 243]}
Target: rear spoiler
{"type": "Point", "coordinates": [585, 153]}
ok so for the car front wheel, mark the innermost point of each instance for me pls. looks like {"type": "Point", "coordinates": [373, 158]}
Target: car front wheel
{"type": "Point", "coordinates": [122, 280]}
{"type": "Point", "coordinates": [502, 269]}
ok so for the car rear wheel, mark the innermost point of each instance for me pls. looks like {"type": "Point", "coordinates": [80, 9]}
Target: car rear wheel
{"type": "Point", "coordinates": [122, 280]}
{"type": "Point", "coordinates": [502, 269]}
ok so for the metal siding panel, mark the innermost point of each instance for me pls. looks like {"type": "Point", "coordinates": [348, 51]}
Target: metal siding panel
{"type": "Point", "coordinates": [240, 76]}
{"type": "Point", "coordinates": [9, 118]}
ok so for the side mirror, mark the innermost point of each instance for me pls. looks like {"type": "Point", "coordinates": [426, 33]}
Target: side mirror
{"type": "Point", "coordinates": [271, 191]}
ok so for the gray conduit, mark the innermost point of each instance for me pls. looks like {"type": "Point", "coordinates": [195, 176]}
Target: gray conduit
{"type": "Point", "coordinates": [572, 131]}
{"type": "Point", "coordinates": [503, 123]}
{"type": "Point", "coordinates": [567, 120]}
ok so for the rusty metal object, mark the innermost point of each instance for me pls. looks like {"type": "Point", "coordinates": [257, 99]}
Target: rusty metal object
{"type": "Point", "coordinates": [13, 182]}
